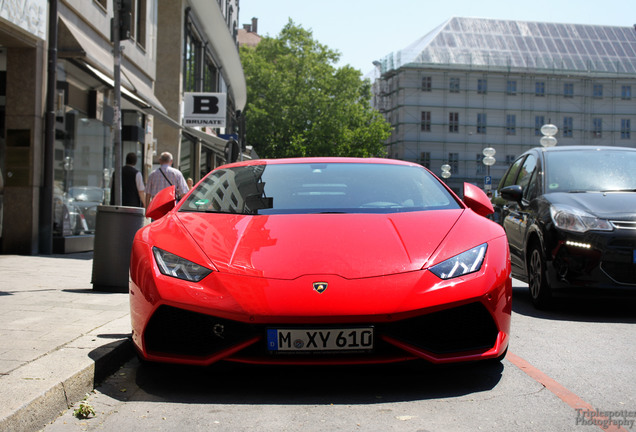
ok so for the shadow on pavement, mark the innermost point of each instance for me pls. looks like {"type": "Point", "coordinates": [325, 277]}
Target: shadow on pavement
{"type": "Point", "coordinates": [108, 358]}
{"type": "Point", "coordinates": [583, 309]}
{"type": "Point", "coordinates": [228, 383]}
{"type": "Point", "coordinates": [77, 255]}
{"type": "Point", "coordinates": [88, 291]}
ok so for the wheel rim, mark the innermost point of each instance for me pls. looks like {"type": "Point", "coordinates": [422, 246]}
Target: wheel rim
{"type": "Point", "coordinates": [536, 274]}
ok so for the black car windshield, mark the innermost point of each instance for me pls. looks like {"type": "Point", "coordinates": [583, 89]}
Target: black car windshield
{"type": "Point", "coordinates": [319, 188]}
{"type": "Point", "coordinates": [591, 170]}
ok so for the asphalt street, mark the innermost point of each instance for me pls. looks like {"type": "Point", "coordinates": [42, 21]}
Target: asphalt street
{"type": "Point", "coordinates": [568, 369]}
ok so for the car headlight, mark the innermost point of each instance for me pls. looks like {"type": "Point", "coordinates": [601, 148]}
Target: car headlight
{"type": "Point", "coordinates": [576, 220]}
{"type": "Point", "coordinates": [175, 266]}
{"type": "Point", "coordinates": [462, 264]}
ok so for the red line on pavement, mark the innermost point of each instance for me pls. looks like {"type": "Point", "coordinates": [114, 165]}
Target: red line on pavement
{"type": "Point", "coordinates": [563, 393]}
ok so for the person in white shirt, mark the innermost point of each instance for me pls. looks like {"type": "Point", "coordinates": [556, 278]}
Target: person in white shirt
{"type": "Point", "coordinates": [163, 177]}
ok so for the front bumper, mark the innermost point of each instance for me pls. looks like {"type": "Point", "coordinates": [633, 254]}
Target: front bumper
{"type": "Point", "coordinates": [466, 332]}
{"type": "Point", "coordinates": [226, 317]}
{"type": "Point", "coordinates": [605, 262]}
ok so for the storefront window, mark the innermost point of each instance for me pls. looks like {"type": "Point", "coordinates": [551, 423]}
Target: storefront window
{"type": "Point", "coordinates": [185, 161]}
{"type": "Point", "coordinates": [82, 167]}
{"type": "Point", "coordinates": [208, 161]}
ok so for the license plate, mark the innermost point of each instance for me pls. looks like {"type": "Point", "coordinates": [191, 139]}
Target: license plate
{"type": "Point", "coordinates": [634, 260]}
{"type": "Point", "coordinates": [343, 339]}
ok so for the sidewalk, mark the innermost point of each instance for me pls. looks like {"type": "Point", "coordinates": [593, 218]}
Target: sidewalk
{"type": "Point", "coordinates": [58, 336]}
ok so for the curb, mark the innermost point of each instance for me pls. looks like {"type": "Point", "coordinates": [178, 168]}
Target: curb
{"type": "Point", "coordinates": [40, 391]}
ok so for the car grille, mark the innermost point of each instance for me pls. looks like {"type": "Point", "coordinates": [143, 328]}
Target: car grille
{"type": "Point", "coordinates": [624, 224]}
{"type": "Point", "coordinates": [181, 332]}
{"type": "Point", "coordinates": [464, 328]}
{"type": "Point", "coordinates": [176, 331]}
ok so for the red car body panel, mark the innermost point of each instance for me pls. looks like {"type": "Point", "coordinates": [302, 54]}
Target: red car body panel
{"type": "Point", "coordinates": [375, 265]}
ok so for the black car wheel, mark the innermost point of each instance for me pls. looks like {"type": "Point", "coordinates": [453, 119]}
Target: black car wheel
{"type": "Point", "coordinates": [537, 281]}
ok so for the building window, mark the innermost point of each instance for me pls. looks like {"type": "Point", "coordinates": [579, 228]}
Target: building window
{"type": "Point", "coordinates": [453, 161]}
{"type": "Point", "coordinates": [511, 124]}
{"type": "Point", "coordinates": [481, 168]}
{"type": "Point", "coordinates": [511, 87]}
{"type": "Point", "coordinates": [210, 75]}
{"type": "Point", "coordinates": [481, 123]}
{"type": "Point", "coordinates": [626, 92]}
{"type": "Point", "coordinates": [626, 129]}
{"type": "Point", "coordinates": [597, 91]}
{"type": "Point", "coordinates": [200, 72]}
{"type": "Point", "coordinates": [538, 122]}
{"type": "Point", "coordinates": [568, 90]}
{"type": "Point", "coordinates": [139, 20]}
{"type": "Point", "coordinates": [567, 127]}
{"type": "Point", "coordinates": [454, 85]}
{"type": "Point", "coordinates": [426, 84]}
{"type": "Point", "coordinates": [426, 121]}
{"type": "Point", "coordinates": [192, 59]}
{"type": "Point", "coordinates": [102, 3]}
{"type": "Point", "coordinates": [539, 88]}
{"type": "Point", "coordinates": [510, 159]}
{"type": "Point", "coordinates": [482, 86]}
{"type": "Point", "coordinates": [425, 159]}
{"type": "Point", "coordinates": [453, 122]}
{"type": "Point", "coordinates": [597, 127]}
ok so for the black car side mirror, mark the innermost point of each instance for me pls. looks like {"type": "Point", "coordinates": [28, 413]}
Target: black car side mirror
{"type": "Point", "coordinates": [512, 193]}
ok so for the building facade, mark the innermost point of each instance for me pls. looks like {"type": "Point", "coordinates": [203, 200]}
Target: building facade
{"type": "Point", "coordinates": [198, 53]}
{"type": "Point", "coordinates": [195, 51]}
{"type": "Point", "coordinates": [477, 83]}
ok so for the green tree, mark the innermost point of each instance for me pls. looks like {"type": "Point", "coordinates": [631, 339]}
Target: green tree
{"type": "Point", "coordinates": [299, 104]}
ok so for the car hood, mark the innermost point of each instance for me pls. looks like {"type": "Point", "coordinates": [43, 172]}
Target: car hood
{"type": "Point", "coordinates": [605, 205]}
{"type": "Point", "coordinates": [348, 245]}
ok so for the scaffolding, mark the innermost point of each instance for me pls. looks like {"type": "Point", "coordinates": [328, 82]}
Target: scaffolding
{"type": "Point", "coordinates": [511, 75]}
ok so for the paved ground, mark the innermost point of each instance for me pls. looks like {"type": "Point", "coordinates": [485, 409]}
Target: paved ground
{"type": "Point", "coordinates": [58, 336]}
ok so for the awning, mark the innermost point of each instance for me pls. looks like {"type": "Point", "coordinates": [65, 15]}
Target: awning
{"type": "Point", "coordinates": [211, 141]}
{"type": "Point", "coordinates": [97, 56]}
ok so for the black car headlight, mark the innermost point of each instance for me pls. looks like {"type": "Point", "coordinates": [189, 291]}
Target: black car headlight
{"type": "Point", "coordinates": [576, 220]}
{"type": "Point", "coordinates": [462, 264]}
{"type": "Point", "coordinates": [172, 265]}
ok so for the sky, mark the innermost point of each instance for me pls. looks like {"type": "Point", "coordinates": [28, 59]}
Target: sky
{"type": "Point", "coordinates": [367, 30]}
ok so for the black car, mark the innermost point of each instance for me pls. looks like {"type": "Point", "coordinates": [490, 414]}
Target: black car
{"type": "Point", "coordinates": [570, 218]}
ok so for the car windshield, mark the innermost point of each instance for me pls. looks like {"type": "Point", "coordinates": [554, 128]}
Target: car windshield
{"type": "Point", "coordinates": [319, 188]}
{"type": "Point", "coordinates": [591, 171]}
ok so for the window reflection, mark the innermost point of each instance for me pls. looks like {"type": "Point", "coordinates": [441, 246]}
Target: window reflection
{"type": "Point", "coordinates": [319, 188]}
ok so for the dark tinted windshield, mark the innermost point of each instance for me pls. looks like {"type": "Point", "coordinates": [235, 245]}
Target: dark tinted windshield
{"type": "Point", "coordinates": [319, 188]}
{"type": "Point", "coordinates": [591, 170]}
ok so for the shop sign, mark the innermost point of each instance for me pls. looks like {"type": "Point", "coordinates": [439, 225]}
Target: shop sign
{"type": "Point", "coordinates": [204, 109]}
{"type": "Point", "coordinates": [29, 15]}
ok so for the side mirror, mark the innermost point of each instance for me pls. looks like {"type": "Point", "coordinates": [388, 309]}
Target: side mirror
{"type": "Point", "coordinates": [512, 193]}
{"type": "Point", "coordinates": [477, 200]}
{"type": "Point", "coordinates": [162, 203]}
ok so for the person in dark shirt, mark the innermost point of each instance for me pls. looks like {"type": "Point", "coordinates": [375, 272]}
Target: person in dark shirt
{"type": "Point", "coordinates": [132, 184]}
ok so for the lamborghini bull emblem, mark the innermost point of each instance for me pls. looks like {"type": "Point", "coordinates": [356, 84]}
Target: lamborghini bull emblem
{"type": "Point", "coordinates": [320, 287]}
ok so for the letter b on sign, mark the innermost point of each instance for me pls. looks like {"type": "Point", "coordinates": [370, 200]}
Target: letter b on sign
{"type": "Point", "coordinates": [205, 105]}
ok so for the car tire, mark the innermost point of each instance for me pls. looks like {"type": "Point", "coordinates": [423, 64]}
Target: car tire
{"type": "Point", "coordinates": [538, 285]}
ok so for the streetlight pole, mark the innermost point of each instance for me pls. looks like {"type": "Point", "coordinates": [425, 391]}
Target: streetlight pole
{"type": "Point", "coordinates": [488, 160]}
{"type": "Point", "coordinates": [117, 101]}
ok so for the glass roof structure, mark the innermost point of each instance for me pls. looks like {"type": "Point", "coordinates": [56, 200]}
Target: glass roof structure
{"type": "Point", "coordinates": [499, 44]}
